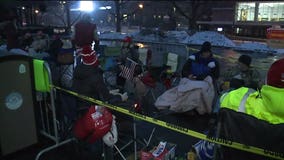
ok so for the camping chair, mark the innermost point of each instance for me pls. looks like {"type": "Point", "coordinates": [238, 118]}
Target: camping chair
{"type": "Point", "coordinates": [145, 57]}
{"type": "Point", "coordinates": [245, 129]}
{"type": "Point", "coordinates": [127, 125]}
{"type": "Point", "coordinates": [112, 51]}
{"type": "Point", "coordinates": [172, 61]}
{"type": "Point", "coordinates": [49, 125]}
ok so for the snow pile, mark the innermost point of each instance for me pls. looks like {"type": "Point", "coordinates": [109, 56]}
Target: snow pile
{"type": "Point", "coordinates": [214, 38]}
{"type": "Point", "coordinates": [176, 36]}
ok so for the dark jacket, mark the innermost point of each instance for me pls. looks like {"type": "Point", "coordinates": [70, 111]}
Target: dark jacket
{"type": "Point", "coordinates": [129, 52]}
{"type": "Point", "coordinates": [198, 66]}
{"type": "Point", "coordinates": [88, 80]}
{"type": "Point", "coordinates": [84, 33]}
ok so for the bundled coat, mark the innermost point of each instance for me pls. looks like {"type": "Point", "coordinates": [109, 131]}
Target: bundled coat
{"type": "Point", "coordinates": [201, 67]}
{"type": "Point", "coordinates": [189, 95]}
{"type": "Point", "coordinates": [88, 80]}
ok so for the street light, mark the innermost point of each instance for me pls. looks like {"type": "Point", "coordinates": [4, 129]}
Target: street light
{"type": "Point", "coordinates": [87, 6]}
{"type": "Point", "coordinates": [141, 20]}
{"type": "Point", "coordinates": [141, 6]}
{"type": "Point", "coordinates": [36, 11]}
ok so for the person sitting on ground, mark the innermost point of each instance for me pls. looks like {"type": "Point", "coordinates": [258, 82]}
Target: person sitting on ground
{"type": "Point", "coordinates": [201, 64]}
{"type": "Point", "coordinates": [242, 75]}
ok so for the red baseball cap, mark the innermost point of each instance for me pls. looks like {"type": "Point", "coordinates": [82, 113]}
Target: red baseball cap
{"type": "Point", "coordinates": [127, 39]}
{"type": "Point", "coordinates": [275, 75]}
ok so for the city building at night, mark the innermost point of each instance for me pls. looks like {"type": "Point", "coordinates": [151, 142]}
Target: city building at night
{"type": "Point", "coordinates": [246, 18]}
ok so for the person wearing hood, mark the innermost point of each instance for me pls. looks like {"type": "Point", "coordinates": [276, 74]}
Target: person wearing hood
{"type": "Point", "coordinates": [201, 64]}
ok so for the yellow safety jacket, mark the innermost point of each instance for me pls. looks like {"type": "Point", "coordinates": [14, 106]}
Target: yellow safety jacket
{"type": "Point", "coordinates": [267, 105]}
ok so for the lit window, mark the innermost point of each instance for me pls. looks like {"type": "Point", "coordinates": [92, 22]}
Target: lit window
{"type": "Point", "coordinates": [271, 11]}
{"type": "Point", "coordinates": [245, 11]}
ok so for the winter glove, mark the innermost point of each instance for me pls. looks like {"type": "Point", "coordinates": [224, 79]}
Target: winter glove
{"type": "Point", "coordinates": [211, 65]}
{"type": "Point", "coordinates": [124, 96]}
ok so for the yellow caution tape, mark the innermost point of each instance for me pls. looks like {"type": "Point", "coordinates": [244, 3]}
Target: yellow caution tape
{"type": "Point", "coordinates": [186, 131]}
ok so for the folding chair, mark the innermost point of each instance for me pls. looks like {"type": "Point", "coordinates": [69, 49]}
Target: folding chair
{"type": "Point", "coordinates": [143, 55]}
{"type": "Point", "coordinates": [172, 61]}
{"type": "Point", "coordinates": [49, 123]}
{"type": "Point", "coordinates": [112, 51]}
{"type": "Point", "coordinates": [131, 139]}
{"type": "Point", "coordinates": [248, 130]}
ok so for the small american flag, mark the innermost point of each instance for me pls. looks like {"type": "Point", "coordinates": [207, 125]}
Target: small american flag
{"type": "Point", "coordinates": [127, 70]}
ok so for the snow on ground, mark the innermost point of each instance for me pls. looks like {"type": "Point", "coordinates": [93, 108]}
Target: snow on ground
{"type": "Point", "coordinates": [216, 39]}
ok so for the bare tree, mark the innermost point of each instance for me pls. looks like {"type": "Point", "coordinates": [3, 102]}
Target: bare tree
{"type": "Point", "coordinates": [123, 10]}
{"type": "Point", "coordinates": [192, 10]}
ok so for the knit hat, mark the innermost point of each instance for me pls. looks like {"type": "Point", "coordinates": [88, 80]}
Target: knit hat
{"type": "Point", "coordinates": [206, 47]}
{"type": "Point", "coordinates": [275, 75]}
{"type": "Point", "coordinates": [127, 39]}
{"type": "Point", "coordinates": [89, 56]}
{"type": "Point", "coordinates": [245, 59]}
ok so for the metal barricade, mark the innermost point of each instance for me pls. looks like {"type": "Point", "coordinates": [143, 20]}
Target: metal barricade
{"type": "Point", "coordinates": [49, 124]}
{"type": "Point", "coordinates": [160, 51]}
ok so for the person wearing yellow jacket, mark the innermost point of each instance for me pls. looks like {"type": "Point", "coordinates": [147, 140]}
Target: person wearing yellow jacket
{"type": "Point", "coordinates": [266, 104]}
{"type": "Point", "coordinates": [253, 118]}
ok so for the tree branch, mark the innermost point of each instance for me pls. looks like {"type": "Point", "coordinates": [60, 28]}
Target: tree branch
{"type": "Point", "coordinates": [60, 17]}
{"type": "Point", "coordinates": [180, 10]}
{"type": "Point", "coordinates": [76, 19]}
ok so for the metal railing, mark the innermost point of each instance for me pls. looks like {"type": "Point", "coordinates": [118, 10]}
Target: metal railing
{"type": "Point", "coordinates": [49, 124]}
{"type": "Point", "coordinates": [159, 50]}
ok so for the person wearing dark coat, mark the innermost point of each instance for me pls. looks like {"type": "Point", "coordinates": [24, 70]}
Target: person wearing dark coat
{"type": "Point", "coordinates": [201, 64]}
{"type": "Point", "coordinates": [88, 80]}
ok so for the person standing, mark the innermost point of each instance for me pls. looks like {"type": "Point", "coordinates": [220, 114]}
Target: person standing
{"type": "Point", "coordinates": [85, 33]}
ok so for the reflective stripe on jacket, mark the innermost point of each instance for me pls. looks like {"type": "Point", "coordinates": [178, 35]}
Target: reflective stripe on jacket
{"type": "Point", "coordinates": [267, 105]}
